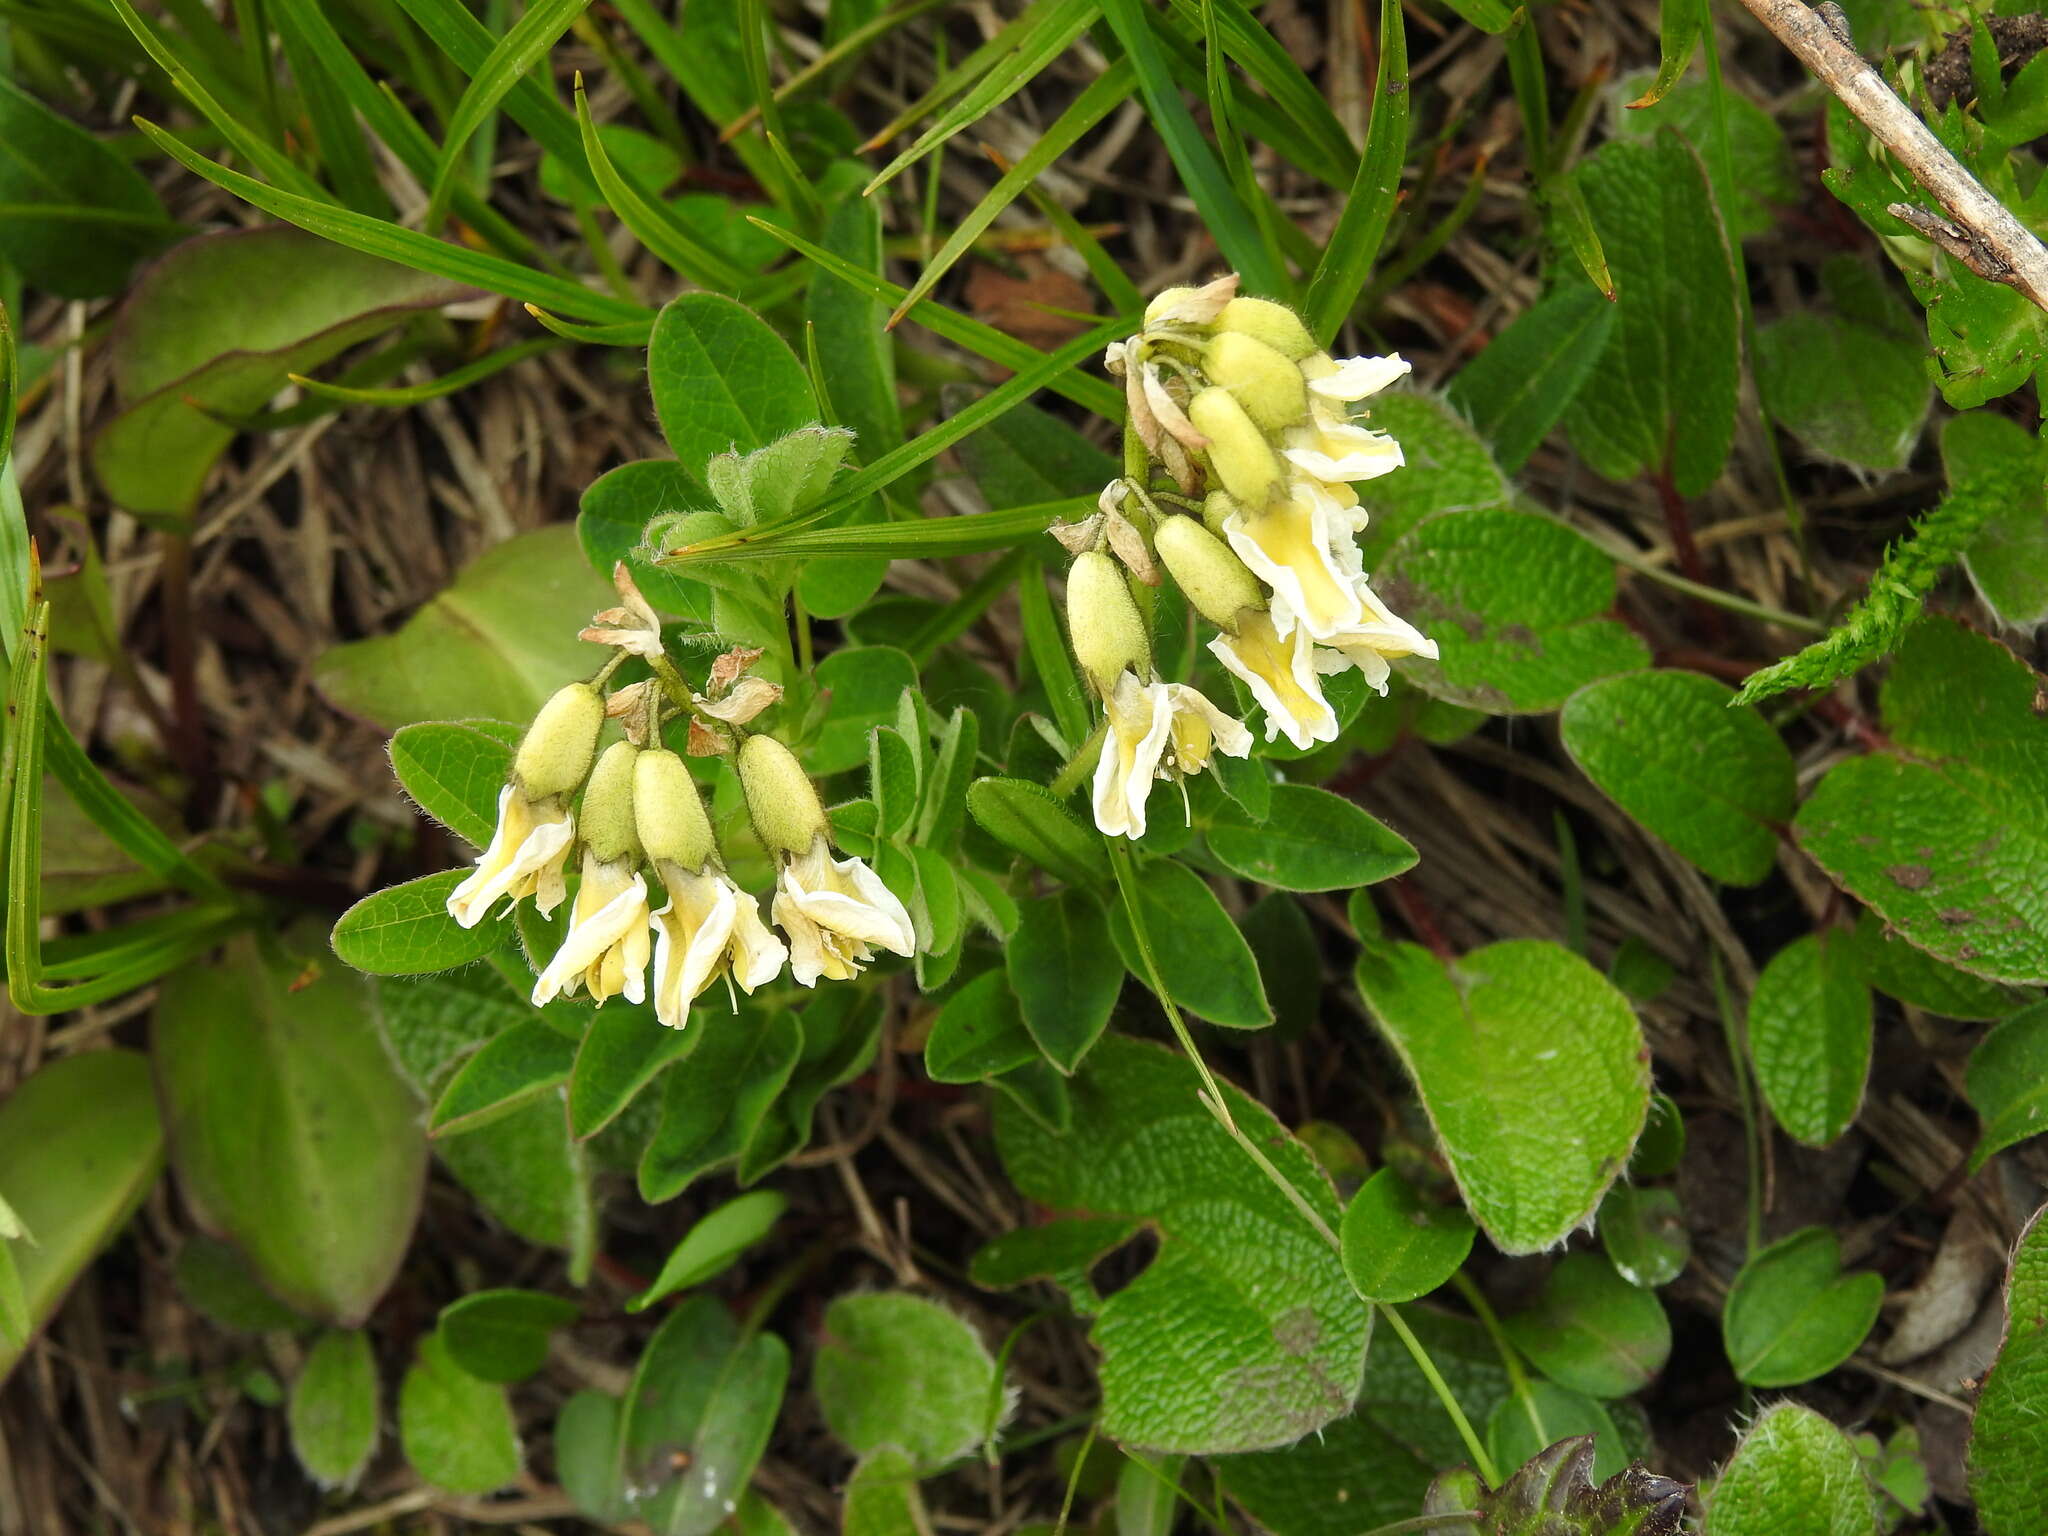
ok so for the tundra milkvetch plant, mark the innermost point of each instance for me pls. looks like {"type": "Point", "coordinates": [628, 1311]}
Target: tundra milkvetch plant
{"type": "Point", "coordinates": [641, 813]}
{"type": "Point", "coordinates": [1230, 398]}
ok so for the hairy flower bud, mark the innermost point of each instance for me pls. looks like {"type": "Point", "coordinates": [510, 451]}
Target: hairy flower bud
{"type": "Point", "coordinates": [1191, 306]}
{"type": "Point", "coordinates": [607, 820]}
{"type": "Point", "coordinates": [554, 756]}
{"type": "Point", "coordinates": [1216, 509]}
{"type": "Point", "coordinates": [1102, 616]}
{"type": "Point", "coordinates": [668, 812]}
{"type": "Point", "coordinates": [1238, 451]}
{"type": "Point", "coordinates": [1267, 383]}
{"type": "Point", "coordinates": [1213, 578]}
{"type": "Point", "coordinates": [781, 799]}
{"type": "Point", "coordinates": [1275, 324]}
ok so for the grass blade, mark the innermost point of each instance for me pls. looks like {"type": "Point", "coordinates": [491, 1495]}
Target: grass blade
{"type": "Point", "coordinates": [423, 253]}
{"type": "Point", "coordinates": [1678, 25]}
{"type": "Point", "coordinates": [961, 76]}
{"type": "Point", "coordinates": [1085, 390]}
{"type": "Point", "coordinates": [1236, 232]}
{"type": "Point", "coordinates": [924, 538]}
{"type": "Point", "coordinates": [10, 386]}
{"type": "Point", "coordinates": [447, 384]}
{"type": "Point", "coordinates": [525, 45]}
{"type": "Point", "coordinates": [650, 220]}
{"type": "Point", "coordinates": [1575, 225]}
{"type": "Point", "coordinates": [1254, 50]}
{"type": "Point", "coordinates": [1104, 94]}
{"type": "Point", "coordinates": [1047, 648]}
{"type": "Point", "coordinates": [830, 58]}
{"type": "Point", "coordinates": [1037, 46]}
{"type": "Point", "coordinates": [1355, 242]}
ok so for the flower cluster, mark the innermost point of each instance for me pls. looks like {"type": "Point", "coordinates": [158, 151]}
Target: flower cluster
{"type": "Point", "coordinates": [1235, 402]}
{"type": "Point", "coordinates": [640, 813]}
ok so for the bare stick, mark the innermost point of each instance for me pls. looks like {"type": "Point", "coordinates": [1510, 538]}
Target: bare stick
{"type": "Point", "coordinates": [1979, 231]}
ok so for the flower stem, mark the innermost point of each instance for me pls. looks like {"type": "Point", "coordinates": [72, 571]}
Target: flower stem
{"type": "Point", "coordinates": [1481, 1462]}
{"type": "Point", "coordinates": [1712, 595]}
{"type": "Point", "coordinates": [1082, 763]}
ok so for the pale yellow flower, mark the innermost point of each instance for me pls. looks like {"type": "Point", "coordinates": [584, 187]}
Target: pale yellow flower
{"type": "Point", "coordinates": [835, 913]}
{"type": "Point", "coordinates": [1281, 673]}
{"type": "Point", "coordinates": [1379, 637]}
{"type": "Point", "coordinates": [1304, 550]}
{"type": "Point", "coordinates": [709, 927]}
{"type": "Point", "coordinates": [606, 950]}
{"type": "Point", "coordinates": [1333, 448]}
{"type": "Point", "coordinates": [527, 853]}
{"type": "Point", "coordinates": [1155, 731]}
{"type": "Point", "coordinates": [1354, 378]}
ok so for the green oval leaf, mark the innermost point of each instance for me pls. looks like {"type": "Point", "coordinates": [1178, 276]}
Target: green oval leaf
{"type": "Point", "coordinates": [1809, 1035]}
{"type": "Point", "coordinates": [1310, 840]}
{"type": "Point", "coordinates": [80, 1146]}
{"type": "Point", "coordinates": [502, 1335]}
{"type": "Point", "coordinates": [1713, 782]}
{"type": "Point", "coordinates": [978, 1033]}
{"type": "Point", "coordinates": [1065, 978]}
{"type": "Point", "coordinates": [2007, 1464]}
{"type": "Point", "coordinates": [334, 1413]}
{"type": "Point", "coordinates": [1535, 1149]}
{"type": "Point", "coordinates": [1025, 817]}
{"type": "Point", "coordinates": [454, 772]}
{"type": "Point", "coordinates": [2007, 1082]}
{"type": "Point", "coordinates": [290, 1126]}
{"type": "Point", "coordinates": [895, 1369]}
{"type": "Point", "coordinates": [457, 1431]}
{"type": "Point", "coordinates": [722, 380]}
{"type": "Point", "coordinates": [511, 1071]}
{"type": "Point", "coordinates": [1643, 1231]}
{"type": "Point", "coordinates": [714, 1244]}
{"type": "Point", "coordinates": [1204, 960]}
{"type": "Point", "coordinates": [1397, 1246]}
{"type": "Point", "coordinates": [1516, 603]}
{"type": "Point", "coordinates": [623, 1050]}
{"type": "Point", "coordinates": [1793, 1314]}
{"type": "Point", "coordinates": [80, 216]}
{"type": "Point", "coordinates": [1592, 1331]}
{"type": "Point", "coordinates": [1794, 1474]}
{"type": "Point", "coordinates": [405, 930]}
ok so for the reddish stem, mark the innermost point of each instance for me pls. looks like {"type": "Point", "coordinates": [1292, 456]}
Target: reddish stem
{"type": "Point", "coordinates": [1415, 912]}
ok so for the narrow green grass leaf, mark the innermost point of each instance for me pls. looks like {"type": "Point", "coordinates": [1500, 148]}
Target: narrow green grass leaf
{"type": "Point", "coordinates": [511, 56]}
{"type": "Point", "coordinates": [1085, 390]}
{"type": "Point", "coordinates": [961, 76]}
{"type": "Point", "coordinates": [422, 253]}
{"type": "Point", "coordinates": [1036, 46]}
{"type": "Point", "coordinates": [1679, 28]}
{"type": "Point", "coordinates": [652, 222]}
{"type": "Point", "coordinates": [1259, 54]}
{"type": "Point", "coordinates": [1236, 232]}
{"type": "Point", "coordinates": [1574, 222]}
{"type": "Point", "coordinates": [1104, 95]}
{"type": "Point", "coordinates": [10, 387]}
{"type": "Point", "coordinates": [1354, 244]}
{"type": "Point", "coordinates": [447, 384]}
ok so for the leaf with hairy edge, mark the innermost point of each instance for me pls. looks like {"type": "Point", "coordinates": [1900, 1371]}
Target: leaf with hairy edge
{"type": "Point", "coordinates": [896, 1369]}
{"type": "Point", "coordinates": [1715, 783]}
{"type": "Point", "coordinates": [1517, 605]}
{"type": "Point", "coordinates": [2007, 1082]}
{"type": "Point", "coordinates": [1243, 1332]}
{"type": "Point", "coordinates": [1809, 1035]}
{"type": "Point", "coordinates": [405, 930]}
{"type": "Point", "coordinates": [1794, 1474]}
{"type": "Point", "coordinates": [457, 1431]}
{"type": "Point", "coordinates": [2008, 561]}
{"type": "Point", "coordinates": [1396, 1245]}
{"type": "Point", "coordinates": [454, 772]}
{"type": "Point", "coordinates": [1533, 1069]}
{"type": "Point", "coordinates": [334, 1413]}
{"type": "Point", "coordinates": [1925, 833]}
{"type": "Point", "coordinates": [722, 380]}
{"type": "Point", "coordinates": [2008, 1456]}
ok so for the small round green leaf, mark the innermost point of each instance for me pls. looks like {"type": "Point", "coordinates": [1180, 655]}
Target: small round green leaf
{"type": "Point", "coordinates": [978, 1033]}
{"type": "Point", "coordinates": [503, 1335]}
{"type": "Point", "coordinates": [1065, 978]}
{"type": "Point", "coordinates": [334, 1414]}
{"type": "Point", "coordinates": [715, 1243]}
{"type": "Point", "coordinates": [1593, 1331]}
{"type": "Point", "coordinates": [2007, 1082]}
{"type": "Point", "coordinates": [1203, 958]}
{"type": "Point", "coordinates": [1397, 1246]}
{"type": "Point", "coordinates": [897, 1370]}
{"type": "Point", "coordinates": [1311, 840]}
{"type": "Point", "coordinates": [1793, 1314]}
{"type": "Point", "coordinates": [457, 1431]}
{"type": "Point", "coordinates": [1661, 1147]}
{"type": "Point", "coordinates": [1794, 1474]}
{"type": "Point", "coordinates": [1809, 1035]}
{"type": "Point", "coordinates": [1713, 782]}
{"type": "Point", "coordinates": [1644, 1233]}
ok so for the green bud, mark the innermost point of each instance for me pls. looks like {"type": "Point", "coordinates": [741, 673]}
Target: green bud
{"type": "Point", "coordinates": [606, 824]}
{"type": "Point", "coordinates": [668, 812]}
{"type": "Point", "coordinates": [1214, 579]}
{"type": "Point", "coordinates": [554, 756]}
{"type": "Point", "coordinates": [1275, 324]}
{"type": "Point", "coordinates": [1238, 451]}
{"type": "Point", "coordinates": [1267, 384]}
{"type": "Point", "coordinates": [781, 799]}
{"type": "Point", "coordinates": [1165, 302]}
{"type": "Point", "coordinates": [1216, 507]}
{"type": "Point", "coordinates": [1108, 631]}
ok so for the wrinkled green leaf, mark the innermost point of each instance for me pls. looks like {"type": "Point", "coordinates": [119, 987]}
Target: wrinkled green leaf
{"type": "Point", "coordinates": [1396, 1245]}
{"type": "Point", "coordinates": [897, 1370]}
{"type": "Point", "coordinates": [2008, 1473]}
{"type": "Point", "coordinates": [1809, 1035]}
{"type": "Point", "coordinates": [2007, 1082]}
{"type": "Point", "coordinates": [1794, 1474]}
{"type": "Point", "coordinates": [457, 1431]}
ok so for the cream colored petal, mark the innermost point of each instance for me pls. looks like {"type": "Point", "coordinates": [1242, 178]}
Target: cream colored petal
{"type": "Point", "coordinates": [845, 897]}
{"type": "Point", "coordinates": [1232, 739]}
{"type": "Point", "coordinates": [1281, 675]}
{"type": "Point", "coordinates": [757, 955]}
{"type": "Point", "coordinates": [1342, 452]}
{"type": "Point", "coordinates": [691, 935]}
{"type": "Point", "coordinates": [813, 954]}
{"type": "Point", "coordinates": [606, 933]}
{"type": "Point", "coordinates": [1304, 551]}
{"type": "Point", "coordinates": [1140, 718]}
{"type": "Point", "coordinates": [525, 856]}
{"type": "Point", "coordinates": [1354, 378]}
{"type": "Point", "coordinates": [748, 698]}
